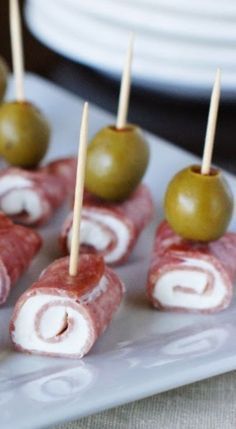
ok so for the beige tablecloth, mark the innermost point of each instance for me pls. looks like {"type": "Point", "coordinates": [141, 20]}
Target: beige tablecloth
{"type": "Point", "coordinates": [209, 404]}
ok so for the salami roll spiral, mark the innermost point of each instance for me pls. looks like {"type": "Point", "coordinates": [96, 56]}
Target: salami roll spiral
{"type": "Point", "coordinates": [18, 246]}
{"type": "Point", "coordinates": [61, 315]}
{"type": "Point", "coordinates": [191, 276]}
{"type": "Point", "coordinates": [111, 229]}
{"type": "Point", "coordinates": [31, 197]}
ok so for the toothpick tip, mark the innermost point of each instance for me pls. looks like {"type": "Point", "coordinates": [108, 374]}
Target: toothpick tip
{"type": "Point", "coordinates": [85, 110]}
{"type": "Point", "coordinates": [131, 35]}
{"type": "Point", "coordinates": [218, 73]}
{"type": "Point", "coordinates": [211, 124]}
{"type": "Point", "coordinates": [125, 85]}
{"type": "Point", "coordinates": [131, 41]}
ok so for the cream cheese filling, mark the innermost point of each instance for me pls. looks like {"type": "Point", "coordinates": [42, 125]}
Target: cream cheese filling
{"type": "Point", "coordinates": [164, 290]}
{"type": "Point", "coordinates": [50, 325]}
{"type": "Point", "coordinates": [91, 233]}
{"type": "Point", "coordinates": [17, 196]}
{"type": "Point", "coordinates": [43, 320]}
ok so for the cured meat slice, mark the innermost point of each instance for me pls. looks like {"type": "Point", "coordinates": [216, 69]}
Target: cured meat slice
{"type": "Point", "coordinates": [18, 246]}
{"type": "Point", "coordinates": [30, 197]}
{"type": "Point", "coordinates": [60, 315]}
{"type": "Point", "coordinates": [111, 229]}
{"type": "Point", "coordinates": [191, 276]}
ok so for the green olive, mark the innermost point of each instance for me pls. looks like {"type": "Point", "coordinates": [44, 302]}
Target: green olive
{"type": "Point", "coordinates": [199, 207]}
{"type": "Point", "coordinates": [24, 134]}
{"type": "Point", "coordinates": [3, 78]}
{"type": "Point", "coordinates": [116, 162]}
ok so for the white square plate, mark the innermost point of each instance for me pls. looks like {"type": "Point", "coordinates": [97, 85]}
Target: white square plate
{"type": "Point", "coordinates": [143, 351]}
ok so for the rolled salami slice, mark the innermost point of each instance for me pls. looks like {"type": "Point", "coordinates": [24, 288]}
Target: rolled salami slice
{"type": "Point", "coordinates": [30, 197]}
{"type": "Point", "coordinates": [18, 246]}
{"type": "Point", "coordinates": [191, 276]}
{"type": "Point", "coordinates": [111, 229]}
{"type": "Point", "coordinates": [61, 315]}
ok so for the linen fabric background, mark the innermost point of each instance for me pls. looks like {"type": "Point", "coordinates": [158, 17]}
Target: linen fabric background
{"type": "Point", "coordinates": [209, 404]}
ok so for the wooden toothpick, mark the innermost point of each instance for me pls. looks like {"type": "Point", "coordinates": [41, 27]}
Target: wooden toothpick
{"type": "Point", "coordinates": [211, 125]}
{"type": "Point", "coordinates": [125, 86]}
{"type": "Point", "coordinates": [79, 190]}
{"type": "Point", "coordinates": [17, 49]}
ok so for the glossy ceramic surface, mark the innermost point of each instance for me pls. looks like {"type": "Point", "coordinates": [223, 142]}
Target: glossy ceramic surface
{"type": "Point", "coordinates": [178, 44]}
{"type": "Point", "coordinates": [143, 352]}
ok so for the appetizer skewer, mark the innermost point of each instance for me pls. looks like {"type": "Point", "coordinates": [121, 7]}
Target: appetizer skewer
{"type": "Point", "coordinates": [18, 246]}
{"type": "Point", "coordinates": [118, 155]}
{"type": "Point", "coordinates": [29, 197]}
{"type": "Point", "coordinates": [193, 262]}
{"type": "Point", "coordinates": [74, 299]}
{"type": "Point", "coordinates": [199, 206]}
{"type": "Point", "coordinates": [116, 207]}
{"type": "Point", "coordinates": [24, 131]}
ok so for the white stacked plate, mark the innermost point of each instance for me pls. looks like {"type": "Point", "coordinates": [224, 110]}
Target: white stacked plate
{"type": "Point", "coordinates": [179, 44]}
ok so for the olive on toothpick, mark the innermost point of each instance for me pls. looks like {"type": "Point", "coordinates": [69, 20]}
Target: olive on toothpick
{"type": "Point", "coordinates": [198, 201]}
{"type": "Point", "coordinates": [3, 78]}
{"type": "Point", "coordinates": [24, 131]}
{"type": "Point", "coordinates": [118, 155]}
{"type": "Point", "coordinates": [24, 134]}
{"type": "Point", "coordinates": [199, 206]}
{"type": "Point", "coordinates": [117, 161]}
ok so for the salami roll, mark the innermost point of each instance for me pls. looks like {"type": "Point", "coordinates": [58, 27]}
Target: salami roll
{"type": "Point", "coordinates": [111, 229]}
{"type": "Point", "coordinates": [18, 246]}
{"type": "Point", "coordinates": [30, 197]}
{"type": "Point", "coordinates": [191, 276]}
{"type": "Point", "coordinates": [61, 315]}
